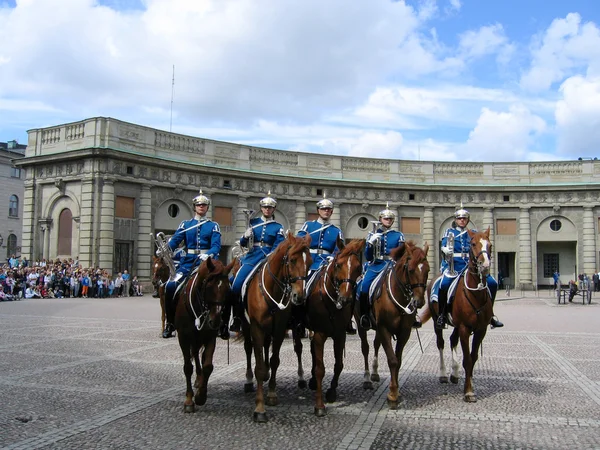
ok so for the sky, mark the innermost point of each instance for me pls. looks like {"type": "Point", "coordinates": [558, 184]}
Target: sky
{"type": "Point", "coordinates": [445, 80]}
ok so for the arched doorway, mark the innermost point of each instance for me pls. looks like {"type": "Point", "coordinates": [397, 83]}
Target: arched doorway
{"type": "Point", "coordinates": [65, 233]}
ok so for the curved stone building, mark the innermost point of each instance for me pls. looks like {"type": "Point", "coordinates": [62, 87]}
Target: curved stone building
{"type": "Point", "coordinates": [98, 188]}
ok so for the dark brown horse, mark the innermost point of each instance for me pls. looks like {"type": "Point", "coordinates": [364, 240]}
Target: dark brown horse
{"type": "Point", "coordinates": [197, 321]}
{"type": "Point", "coordinates": [470, 313]}
{"type": "Point", "coordinates": [160, 275]}
{"type": "Point", "coordinates": [271, 292]}
{"type": "Point", "coordinates": [329, 308]}
{"type": "Point", "coordinates": [394, 308]}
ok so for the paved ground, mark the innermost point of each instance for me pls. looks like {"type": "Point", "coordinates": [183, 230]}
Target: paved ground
{"type": "Point", "coordinates": [78, 374]}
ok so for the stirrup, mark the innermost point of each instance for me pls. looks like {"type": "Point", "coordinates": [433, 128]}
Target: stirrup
{"type": "Point", "coordinates": [365, 322]}
{"type": "Point", "coordinates": [417, 324]}
{"type": "Point", "coordinates": [495, 323]}
{"type": "Point", "coordinates": [440, 323]}
{"type": "Point", "coordinates": [236, 325]}
{"type": "Point", "coordinates": [224, 332]}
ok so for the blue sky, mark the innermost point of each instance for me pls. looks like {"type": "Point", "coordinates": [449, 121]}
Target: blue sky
{"type": "Point", "coordinates": [452, 80]}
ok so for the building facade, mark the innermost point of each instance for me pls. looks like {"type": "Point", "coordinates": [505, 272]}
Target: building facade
{"type": "Point", "coordinates": [97, 190]}
{"type": "Point", "coordinates": [11, 199]}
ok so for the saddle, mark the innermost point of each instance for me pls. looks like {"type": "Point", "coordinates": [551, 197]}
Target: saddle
{"type": "Point", "coordinates": [249, 278]}
{"type": "Point", "coordinates": [377, 285]}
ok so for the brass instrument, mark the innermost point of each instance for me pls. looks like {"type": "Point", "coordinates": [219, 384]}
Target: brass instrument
{"type": "Point", "coordinates": [165, 252]}
{"type": "Point", "coordinates": [450, 245]}
{"type": "Point", "coordinates": [249, 213]}
{"type": "Point", "coordinates": [377, 243]}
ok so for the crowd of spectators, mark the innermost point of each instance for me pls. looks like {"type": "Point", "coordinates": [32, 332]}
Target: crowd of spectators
{"type": "Point", "coordinates": [20, 278]}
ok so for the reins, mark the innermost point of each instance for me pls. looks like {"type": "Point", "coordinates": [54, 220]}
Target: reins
{"type": "Point", "coordinates": [481, 286]}
{"type": "Point", "coordinates": [405, 288]}
{"type": "Point", "coordinates": [336, 282]}
{"type": "Point", "coordinates": [285, 284]}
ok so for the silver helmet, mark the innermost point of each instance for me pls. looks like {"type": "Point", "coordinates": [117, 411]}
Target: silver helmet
{"type": "Point", "coordinates": [268, 201]}
{"type": "Point", "coordinates": [387, 213]}
{"type": "Point", "coordinates": [461, 212]}
{"type": "Point", "coordinates": [324, 203]}
{"type": "Point", "coordinates": [201, 199]}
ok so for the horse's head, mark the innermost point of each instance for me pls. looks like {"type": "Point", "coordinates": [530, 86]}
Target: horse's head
{"type": "Point", "coordinates": [480, 252]}
{"type": "Point", "coordinates": [412, 269]}
{"type": "Point", "coordinates": [213, 291]}
{"type": "Point", "coordinates": [296, 262]}
{"type": "Point", "coordinates": [160, 271]}
{"type": "Point", "coordinates": [345, 269]}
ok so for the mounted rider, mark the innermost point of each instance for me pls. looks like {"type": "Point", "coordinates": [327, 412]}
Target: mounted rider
{"type": "Point", "coordinates": [201, 238]}
{"type": "Point", "coordinates": [263, 236]}
{"type": "Point", "coordinates": [380, 242]}
{"type": "Point", "coordinates": [459, 254]}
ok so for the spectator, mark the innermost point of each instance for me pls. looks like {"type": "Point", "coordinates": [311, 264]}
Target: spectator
{"type": "Point", "coordinates": [32, 292]}
{"type": "Point", "coordinates": [111, 288]}
{"type": "Point", "coordinates": [136, 286]}
{"type": "Point", "coordinates": [119, 285]}
{"type": "Point", "coordinates": [126, 283]}
{"type": "Point", "coordinates": [85, 284]}
{"type": "Point", "coordinates": [556, 277]}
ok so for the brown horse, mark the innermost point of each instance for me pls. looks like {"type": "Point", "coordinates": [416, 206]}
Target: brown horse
{"type": "Point", "coordinates": [197, 321]}
{"type": "Point", "coordinates": [394, 308]}
{"type": "Point", "coordinates": [160, 275]}
{"type": "Point", "coordinates": [271, 292]}
{"type": "Point", "coordinates": [329, 308]}
{"type": "Point", "coordinates": [470, 312]}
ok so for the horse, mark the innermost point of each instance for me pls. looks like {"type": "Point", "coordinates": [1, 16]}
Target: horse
{"type": "Point", "coordinates": [160, 275]}
{"type": "Point", "coordinates": [470, 312]}
{"type": "Point", "coordinates": [197, 320]}
{"type": "Point", "coordinates": [394, 307]}
{"type": "Point", "coordinates": [329, 308]}
{"type": "Point", "coordinates": [278, 284]}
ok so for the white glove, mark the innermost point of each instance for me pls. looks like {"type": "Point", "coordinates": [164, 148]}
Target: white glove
{"type": "Point", "coordinates": [204, 256]}
{"type": "Point", "coordinates": [248, 233]}
{"type": "Point", "coordinates": [329, 258]}
{"type": "Point", "coordinates": [447, 250]}
{"type": "Point", "coordinates": [374, 237]}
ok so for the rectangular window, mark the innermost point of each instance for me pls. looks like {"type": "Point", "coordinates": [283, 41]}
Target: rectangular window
{"type": "Point", "coordinates": [125, 207]}
{"type": "Point", "coordinates": [15, 172]}
{"type": "Point", "coordinates": [506, 226]}
{"type": "Point", "coordinates": [410, 225]}
{"type": "Point", "coordinates": [223, 216]}
{"type": "Point", "coordinates": [550, 264]}
{"type": "Point", "coordinates": [312, 216]}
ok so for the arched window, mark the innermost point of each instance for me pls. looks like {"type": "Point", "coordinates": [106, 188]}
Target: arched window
{"type": "Point", "coordinates": [13, 206]}
{"type": "Point", "coordinates": [11, 245]}
{"type": "Point", "coordinates": [65, 232]}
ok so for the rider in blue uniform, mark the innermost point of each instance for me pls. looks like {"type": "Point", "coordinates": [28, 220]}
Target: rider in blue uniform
{"type": "Point", "coordinates": [377, 252]}
{"type": "Point", "coordinates": [266, 234]}
{"type": "Point", "coordinates": [460, 254]}
{"type": "Point", "coordinates": [201, 238]}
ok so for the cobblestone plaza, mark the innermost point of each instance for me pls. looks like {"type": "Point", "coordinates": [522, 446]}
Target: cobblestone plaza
{"type": "Point", "coordinates": [89, 373]}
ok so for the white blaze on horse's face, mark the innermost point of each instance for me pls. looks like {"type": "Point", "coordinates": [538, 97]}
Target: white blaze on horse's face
{"type": "Point", "coordinates": [420, 266]}
{"type": "Point", "coordinates": [484, 251]}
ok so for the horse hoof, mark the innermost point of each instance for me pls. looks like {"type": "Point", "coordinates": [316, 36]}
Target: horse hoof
{"type": "Point", "coordinates": [272, 401]}
{"type": "Point", "coordinates": [320, 412]}
{"type": "Point", "coordinates": [189, 408]}
{"type": "Point", "coordinates": [367, 385]}
{"type": "Point", "coordinates": [248, 387]}
{"type": "Point", "coordinates": [331, 395]}
{"type": "Point", "coordinates": [453, 379]}
{"type": "Point", "coordinates": [312, 384]}
{"type": "Point", "coordinates": [375, 377]}
{"type": "Point", "coordinates": [392, 404]}
{"type": "Point", "coordinates": [470, 398]}
{"type": "Point", "coordinates": [260, 417]}
{"type": "Point", "coordinates": [302, 384]}
{"type": "Point", "coordinates": [443, 380]}
{"type": "Point", "coordinates": [200, 399]}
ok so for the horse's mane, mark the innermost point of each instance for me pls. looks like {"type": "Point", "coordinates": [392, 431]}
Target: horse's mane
{"type": "Point", "coordinates": [402, 253]}
{"type": "Point", "coordinates": [291, 245]}
{"type": "Point", "coordinates": [353, 247]}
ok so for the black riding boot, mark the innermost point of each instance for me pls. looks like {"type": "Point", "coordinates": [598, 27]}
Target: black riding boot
{"type": "Point", "coordinates": [349, 328]}
{"type": "Point", "coordinates": [170, 313]}
{"type": "Point", "coordinates": [224, 328]}
{"type": "Point", "coordinates": [238, 312]}
{"type": "Point", "coordinates": [440, 324]}
{"type": "Point", "coordinates": [365, 314]}
{"type": "Point", "coordinates": [495, 323]}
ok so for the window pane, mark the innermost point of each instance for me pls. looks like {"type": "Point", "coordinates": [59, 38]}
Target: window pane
{"type": "Point", "coordinates": [223, 216]}
{"type": "Point", "coordinates": [506, 226]}
{"type": "Point", "coordinates": [411, 225]}
{"type": "Point", "coordinates": [550, 264]}
{"type": "Point", "coordinates": [125, 207]}
{"type": "Point", "coordinates": [13, 206]}
{"type": "Point", "coordinates": [312, 216]}
{"type": "Point", "coordinates": [11, 245]}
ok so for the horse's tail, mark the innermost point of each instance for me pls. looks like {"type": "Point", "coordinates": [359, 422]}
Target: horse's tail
{"type": "Point", "coordinates": [425, 313]}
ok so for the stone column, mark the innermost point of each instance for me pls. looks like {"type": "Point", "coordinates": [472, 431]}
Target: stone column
{"type": "Point", "coordinates": [525, 262]}
{"type": "Point", "coordinates": [300, 217]}
{"type": "Point", "coordinates": [336, 217]}
{"type": "Point", "coordinates": [47, 235]}
{"type": "Point", "coordinates": [107, 225]}
{"type": "Point", "coordinates": [29, 226]}
{"type": "Point", "coordinates": [86, 234]}
{"type": "Point", "coordinates": [488, 221]}
{"type": "Point", "coordinates": [429, 237]}
{"type": "Point", "coordinates": [240, 217]}
{"type": "Point", "coordinates": [145, 245]}
{"type": "Point", "coordinates": [589, 242]}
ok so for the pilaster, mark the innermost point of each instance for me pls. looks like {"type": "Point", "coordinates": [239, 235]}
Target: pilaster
{"type": "Point", "coordinates": [86, 235]}
{"type": "Point", "coordinates": [107, 225]}
{"type": "Point", "coordinates": [525, 262]}
{"type": "Point", "coordinates": [29, 226]}
{"type": "Point", "coordinates": [488, 221]}
{"type": "Point", "coordinates": [240, 218]}
{"type": "Point", "coordinates": [589, 242]}
{"type": "Point", "coordinates": [429, 237]}
{"type": "Point", "coordinates": [300, 217]}
{"type": "Point", "coordinates": [144, 242]}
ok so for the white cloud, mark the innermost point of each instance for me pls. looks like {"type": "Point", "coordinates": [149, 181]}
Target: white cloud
{"type": "Point", "coordinates": [455, 4]}
{"type": "Point", "coordinates": [578, 117]}
{"type": "Point", "coordinates": [486, 40]}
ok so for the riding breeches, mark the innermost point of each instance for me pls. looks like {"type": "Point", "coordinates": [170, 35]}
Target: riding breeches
{"type": "Point", "coordinates": [439, 290]}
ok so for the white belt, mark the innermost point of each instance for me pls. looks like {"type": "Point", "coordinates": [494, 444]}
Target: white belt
{"type": "Point", "coordinates": [322, 252]}
{"type": "Point", "coordinates": [261, 244]}
{"type": "Point", "coordinates": [459, 255]}
{"type": "Point", "coordinates": [196, 252]}
{"type": "Point", "coordinates": [385, 258]}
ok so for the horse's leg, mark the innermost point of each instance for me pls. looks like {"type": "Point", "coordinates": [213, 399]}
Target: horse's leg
{"type": "Point", "coordinates": [207, 369]}
{"type": "Point", "coordinates": [339, 342]}
{"type": "Point", "coordinates": [318, 344]}
{"type": "Point", "coordinates": [375, 367]}
{"type": "Point", "coordinates": [442, 374]}
{"type": "Point", "coordinates": [196, 355]}
{"type": "Point", "coordinates": [401, 340]}
{"type": "Point", "coordinates": [364, 348]}
{"type": "Point", "coordinates": [163, 316]}
{"type": "Point", "coordinates": [386, 341]}
{"type": "Point", "coordinates": [260, 372]}
{"type": "Point", "coordinates": [312, 383]}
{"type": "Point", "coordinates": [249, 385]}
{"type": "Point", "coordinates": [277, 341]}
{"type": "Point", "coordinates": [188, 370]}
{"type": "Point", "coordinates": [266, 347]}
{"type": "Point", "coordinates": [455, 374]}
{"type": "Point", "coordinates": [298, 350]}
{"type": "Point", "coordinates": [477, 339]}
{"type": "Point", "coordinates": [465, 335]}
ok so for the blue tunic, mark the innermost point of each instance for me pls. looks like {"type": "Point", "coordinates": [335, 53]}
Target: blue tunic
{"type": "Point", "coordinates": [267, 236]}
{"type": "Point", "coordinates": [323, 240]}
{"type": "Point", "coordinates": [389, 241]}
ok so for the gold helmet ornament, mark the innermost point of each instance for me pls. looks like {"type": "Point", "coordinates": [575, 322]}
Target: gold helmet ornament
{"type": "Point", "coordinates": [268, 201]}
{"type": "Point", "coordinates": [324, 203]}
{"type": "Point", "coordinates": [201, 199]}
{"type": "Point", "coordinates": [387, 213]}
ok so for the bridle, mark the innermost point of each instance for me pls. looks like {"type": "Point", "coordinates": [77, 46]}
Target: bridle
{"type": "Point", "coordinates": [405, 288]}
{"type": "Point", "coordinates": [338, 282]}
{"type": "Point", "coordinates": [205, 305]}
{"type": "Point", "coordinates": [474, 260]}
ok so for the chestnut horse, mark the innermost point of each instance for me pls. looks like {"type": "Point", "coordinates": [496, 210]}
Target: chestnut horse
{"type": "Point", "coordinates": [160, 275]}
{"type": "Point", "coordinates": [470, 312]}
{"type": "Point", "coordinates": [394, 309]}
{"type": "Point", "coordinates": [197, 321]}
{"type": "Point", "coordinates": [278, 284]}
{"type": "Point", "coordinates": [329, 308]}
